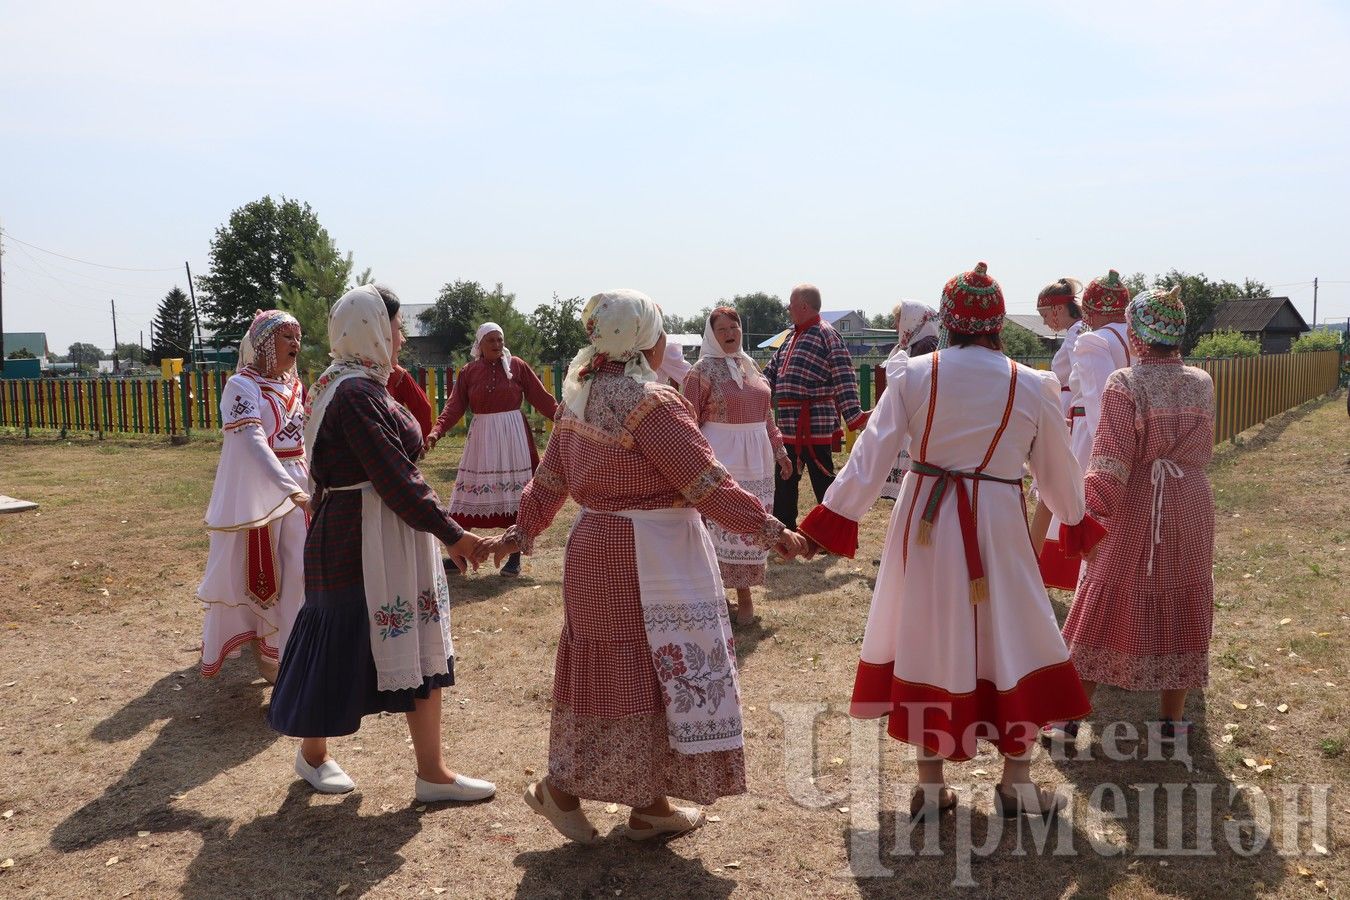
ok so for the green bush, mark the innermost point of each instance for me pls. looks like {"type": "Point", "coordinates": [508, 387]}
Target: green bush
{"type": "Point", "coordinates": [1225, 343]}
{"type": "Point", "coordinates": [1021, 342]}
{"type": "Point", "coordinates": [1321, 339]}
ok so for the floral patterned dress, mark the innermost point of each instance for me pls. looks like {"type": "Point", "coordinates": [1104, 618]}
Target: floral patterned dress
{"type": "Point", "coordinates": [1142, 616]}
{"type": "Point", "coordinates": [637, 448]}
{"type": "Point", "coordinates": [719, 402]}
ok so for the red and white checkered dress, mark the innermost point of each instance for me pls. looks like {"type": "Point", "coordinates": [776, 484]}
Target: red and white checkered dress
{"type": "Point", "coordinates": [1143, 613]}
{"type": "Point", "coordinates": [637, 447]}
{"type": "Point", "coordinates": [718, 400]}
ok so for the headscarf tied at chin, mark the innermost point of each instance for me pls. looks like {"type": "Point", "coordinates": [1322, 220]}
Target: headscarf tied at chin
{"type": "Point", "coordinates": [361, 339]}
{"type": "Point", "coordinates": [476, 352]}
{"type": "Point", "coordinates": [257, 349]}
{"type": "Point", "coordinates": [620, 325]}
{"type": "Point", "coordinates": [739, 364]}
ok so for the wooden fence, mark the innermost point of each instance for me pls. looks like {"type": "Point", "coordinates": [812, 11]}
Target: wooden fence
{"type": "Point", "coordinates": [1248, 391]}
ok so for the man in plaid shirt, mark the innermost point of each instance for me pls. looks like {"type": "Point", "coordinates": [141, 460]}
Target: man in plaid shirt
{"type": "Point", "coordinates": [813, 383]}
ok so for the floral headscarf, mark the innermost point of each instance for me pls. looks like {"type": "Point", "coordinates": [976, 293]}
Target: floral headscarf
{"type": "Point", "coordinates": [620, 325]}
{"type": "Point", "coordinates": [257, 351]}
{"type": "Point", "coordinates": [361, 342]}
{"type": "Point", "coordinates": [914, 321]}
{"type": "Point", "coordinates": [476, 352]}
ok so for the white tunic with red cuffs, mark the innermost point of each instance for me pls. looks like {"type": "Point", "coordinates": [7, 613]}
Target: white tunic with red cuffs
{"type": "Point", "coordinates": [961, 641]}
{"type": "Point", "coordinates": [254, 584]}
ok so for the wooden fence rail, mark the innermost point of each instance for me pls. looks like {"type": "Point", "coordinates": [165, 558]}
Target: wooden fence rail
{"type": "Point", "coordinates": [1247, 391]}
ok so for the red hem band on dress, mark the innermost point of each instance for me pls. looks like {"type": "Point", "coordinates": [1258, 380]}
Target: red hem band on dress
{"type": "Point", "coordinates": [211, 670]}
{"type": "Point", "coordinates": [831, 531]}
{"type": "Point", "coordinates": [951, 725]}
{"type": "Point", "coordinates": [1078, 540]}
{"type": "Point", "coordinates": [499, 520]}
{"type": "Point", "coordinates": [1058, 570]}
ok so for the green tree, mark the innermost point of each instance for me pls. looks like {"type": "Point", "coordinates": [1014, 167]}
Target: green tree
{"type": "Point", "coordinates": [762, 315]}
{"type": "Point", "coordinates": [1200, 296]}
{"type": "Point", "coordinates": [173, 328]}
{"type": "Point", "coordinates": [322, 274]}
{"type": "Point", "coordinates": [881, 320]}
{"type": "Point", "coordinates": [84, 355]}
{"type": "Point", "coordinates": [1225, 343]}
{"type": "Point", "coordinates": [22, 353]}
{"type": "Point", "coordinates": [521, 337]}
{"type": "Point", "coordinates": [253, 257]}
{"type": "Point", "coordinates": [558, 329]}
{"type": "Point", "coordinates": [1313, 341]}
{"type": "Point", "coordinates": [131, 353]}
{"type": "Point", "coordinates": [1022, 342]}
{"type": "Point", "coordinates": [455, 315]}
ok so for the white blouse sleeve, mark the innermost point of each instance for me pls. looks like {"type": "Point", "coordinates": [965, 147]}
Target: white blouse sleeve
{"type": "Point", "coordinates": [875, 451]}
{"type": "Point", "coordinates": [1092, 365]}
{"type": "Point", "coordinates": [1059, 478]}
{"type": "Point", "coordinates": [252, 488]}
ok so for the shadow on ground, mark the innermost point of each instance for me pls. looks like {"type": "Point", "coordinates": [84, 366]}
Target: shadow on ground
{"type": "Point", "coordinates": [213, 725]}
{"type": "Point", "coordinates": [1151, 823]}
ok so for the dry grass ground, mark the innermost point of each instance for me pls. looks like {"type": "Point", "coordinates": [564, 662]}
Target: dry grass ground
{"type": "Point", "coordinates": [129, 775]}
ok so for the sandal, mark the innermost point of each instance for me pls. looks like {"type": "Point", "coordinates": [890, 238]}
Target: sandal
{"type": "Point", "coordinates": [1010, 805]}
{"type": "Point", "coordinates": [920, 806]}
{"type": "Point", "coordinates": [681, 820]}
{"type": "Point", "coordinates": [571, 824]}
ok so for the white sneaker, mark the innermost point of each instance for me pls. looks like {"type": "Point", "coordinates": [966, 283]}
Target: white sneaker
{"type": "Point", "coordinates": [463, 789]}
{"type": "Point", "coordinates": [327, 778]}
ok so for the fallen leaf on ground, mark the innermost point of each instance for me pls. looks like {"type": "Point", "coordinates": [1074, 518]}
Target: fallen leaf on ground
{"type": "Point", "coordinates": [112, 861]}
{"type": "Point", "coordinates": [8, 814]}
{"type": "Point", "coordinates": [342, 889]}
{"type": "Point", "coordinates": [837, 761]}
{"type": "Point", "coordinates": [714, 818]}
{"type": "Point", "coordinates": [1283, 707]}
{"type": "Point", "coordinates": [1249, 763]}
{"type": "Point", "coordinates": [142, 834]}
{"type": "Point", "coordinates": [1306, 873]}
{"type": "Point", "coordinates": [1319, 849]}
{"type": "Point", "coordinates": [1238, 704]}
{"type": "Point", "coordinates": [1227, 738]}
{"type": "Point", "coordinates": [7, 863]}
{"type": "Point", "coordinates": [731, 865]}
{"type": "Point", "coordinates": [422, 808]}
{"type": "Point", "coordinates": [1285, 621]}
{"type": "Point", "coordinates": [1264, 767]}
{"type": "Point", "coordinates": [843, 809]}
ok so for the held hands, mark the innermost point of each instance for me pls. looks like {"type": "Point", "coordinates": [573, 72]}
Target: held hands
{"type": "Point", "coordinates": [469, 550]}
{"type": "Point", "coordinates": [430, 443]}
{"type": "Point", "coordinates": [499, 548]}
{"type": "Point", "coordinates": [301, 501]}
{"type": "Point", "coordinates": [785, 467]}
{"type": "Point", "coordinates": [791, 545]}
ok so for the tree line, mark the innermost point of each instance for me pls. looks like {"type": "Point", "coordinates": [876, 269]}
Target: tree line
{"type": "Point", "coordinates": [276, 254]}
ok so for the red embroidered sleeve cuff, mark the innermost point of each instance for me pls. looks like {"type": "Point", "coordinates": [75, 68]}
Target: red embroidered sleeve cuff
{"type": "Point", "coordinates": [1078, 540]}
{"type": "Point", "coordinates": [831, 531]}
{"type": "Point", "coordinates": [860, 422]}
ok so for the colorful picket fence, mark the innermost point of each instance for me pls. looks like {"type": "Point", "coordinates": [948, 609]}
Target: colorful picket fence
{"type": "Point", "coordinates": [1248, 391]}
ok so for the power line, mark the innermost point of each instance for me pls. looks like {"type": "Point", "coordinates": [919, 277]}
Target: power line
{"type": "Point", "coordinates": [87, 262]}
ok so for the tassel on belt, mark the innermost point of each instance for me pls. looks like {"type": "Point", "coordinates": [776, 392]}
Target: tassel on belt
{"type": "Point", "coordinates": [965, 514]}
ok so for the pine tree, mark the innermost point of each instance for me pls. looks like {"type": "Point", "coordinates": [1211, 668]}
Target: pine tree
{"type": "Point", "coordinates": [173, 328]}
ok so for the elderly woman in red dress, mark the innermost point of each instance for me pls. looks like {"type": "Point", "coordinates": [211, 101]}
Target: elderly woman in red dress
{"type": "Point", "coordinates": [733, 406]}
{"type": "Point", "coordinates": [1144, 609]}
{"type": "Point", "coordinates": [499, 455]}
{"type": "Point", "coordinates": [646, 700]}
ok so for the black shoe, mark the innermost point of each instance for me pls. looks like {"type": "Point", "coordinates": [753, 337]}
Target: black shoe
{"type": "Point", "coordinates": [512, 567]}
{"type": "Point", "coordinates": [451, 570]}
{"type": "Point", "coordinates": [1174, 729]}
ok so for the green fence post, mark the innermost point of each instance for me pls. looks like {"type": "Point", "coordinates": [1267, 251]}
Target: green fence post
{"type": "Point", "coordinates": [865, 386]}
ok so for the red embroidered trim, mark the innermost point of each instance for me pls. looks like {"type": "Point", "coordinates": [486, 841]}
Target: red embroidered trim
{"type": "Point", "coordinates": [264, 586]}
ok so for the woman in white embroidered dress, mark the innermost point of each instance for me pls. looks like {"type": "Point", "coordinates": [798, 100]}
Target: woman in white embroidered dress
{"type": "Point", "coordinates": [916, 329]}
{"type": "Point", "coordinates": [255, 579]}
{"type": "Point", "coordinates": [733, 406]}
{"type": "Point", "coordinates": [961, 641]}
{"type": "Point", "coordinates": [646, 701]}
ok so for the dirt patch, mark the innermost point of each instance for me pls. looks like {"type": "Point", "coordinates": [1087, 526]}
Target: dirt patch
{"type": "Point", "coordinates": [114, 747]}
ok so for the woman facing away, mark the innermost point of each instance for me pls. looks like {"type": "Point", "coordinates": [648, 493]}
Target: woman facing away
{"type": "Point", "coordinates": [499, 454]}
{"type": "Point", "coordinates": [733, 407]}
{"type": "Point", "coordinates": [646, 699]}
{"type": "Point", "coordinates": [1144, 609]}
{"type": "Point", "coordinates": [374, 633]}
{"type": "Point", "coordinates": [254, 584]}
{"type": "Point", "coordinates": [961, 642]}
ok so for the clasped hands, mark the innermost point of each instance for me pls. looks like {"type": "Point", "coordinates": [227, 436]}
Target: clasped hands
{"type": "Point", "coordinates": [472, 550]}
{"type": "Point", "coordinates": [792, 544]}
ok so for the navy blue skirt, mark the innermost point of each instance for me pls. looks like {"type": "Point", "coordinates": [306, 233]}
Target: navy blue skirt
{"type": "Point", "coordinates": [327, 678]}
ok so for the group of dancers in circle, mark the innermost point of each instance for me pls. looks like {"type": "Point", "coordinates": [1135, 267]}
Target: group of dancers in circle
{"type": "Point", "coordinates": [326, 540]}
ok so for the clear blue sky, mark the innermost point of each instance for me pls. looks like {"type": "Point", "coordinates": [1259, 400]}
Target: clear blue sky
{"type": "Point", "coordinates": [692, 150]}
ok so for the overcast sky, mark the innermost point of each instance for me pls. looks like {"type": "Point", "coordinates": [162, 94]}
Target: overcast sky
{"type": "Point", "coordinates": [692, 150]}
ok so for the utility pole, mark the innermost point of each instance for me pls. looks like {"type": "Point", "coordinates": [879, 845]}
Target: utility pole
{"type": "Point", "coordinates": [142, 345]}
{"type": "Point", "coordinates": [1314, 304]}
{"type": "Point", "coordinates": [192, 292]}
{"type": "Point", "coordinates": [116, 368]}
{"type": "Point", "coordinates": [2, 304]}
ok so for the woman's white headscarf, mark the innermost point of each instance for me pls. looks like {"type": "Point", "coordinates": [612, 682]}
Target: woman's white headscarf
{"type": "Point", "coordinates": [674, 365]}
{"type": "Point", "coordinates": [739, 364]}
{"type": "Point", "coordinates": [484, 330]}
{"type": "Point", "coordinates": [620, 324]}
{"type": "Point", "coordinates": [915, 322]}
{"type": "Point", "coordinates": [257, 342]}
{"type": "Point", "coordinates": [361, 343]}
